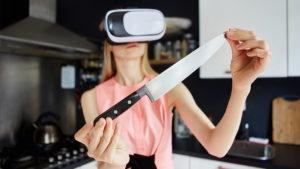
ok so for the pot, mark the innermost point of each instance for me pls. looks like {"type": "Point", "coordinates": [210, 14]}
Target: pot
{"type": "Point", "coordinates": [46, 129]}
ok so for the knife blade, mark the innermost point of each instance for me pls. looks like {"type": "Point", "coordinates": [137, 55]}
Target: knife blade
{"type": "Point", "coordinates": [168, 79]}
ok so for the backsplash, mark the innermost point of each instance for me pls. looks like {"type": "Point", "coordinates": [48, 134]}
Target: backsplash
{"type": "Point", "coordinates": [30, 86]}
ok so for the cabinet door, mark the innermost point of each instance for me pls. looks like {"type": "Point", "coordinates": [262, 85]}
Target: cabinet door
{"type": "Point", "coordinates": [293, 37]}
{"type": "Point", "coordinates": [200, 163]}
{"type": "Point", "coordinates": [181, 161]}
{"type": "Point", "coordinates": [267, 18]}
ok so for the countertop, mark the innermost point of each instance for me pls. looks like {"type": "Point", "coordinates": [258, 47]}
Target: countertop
{"type": "Point", "coordinates": [79, 164]}
{"type": "Point", "coordinates": [286, 157]}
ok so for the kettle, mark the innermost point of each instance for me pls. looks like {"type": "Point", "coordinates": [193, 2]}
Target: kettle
{"type": "Point", "coordinates": [46, 129]}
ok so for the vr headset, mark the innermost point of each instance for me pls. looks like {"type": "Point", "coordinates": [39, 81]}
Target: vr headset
{"type": "Point", "coordinates": [134, 25]}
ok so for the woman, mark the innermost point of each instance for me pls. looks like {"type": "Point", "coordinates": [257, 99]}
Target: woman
{"type": "Point", "coordinates": [146, 127]}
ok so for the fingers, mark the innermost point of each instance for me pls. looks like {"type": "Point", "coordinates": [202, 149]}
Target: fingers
{"type": "Point", "coordinates": [233, 44]}
{"type": "Point", "coordinates": [253, 44]}
{"type": "Point", "coordinates": [240, 35]}
{"type": "Point", "coordinates": [261, 53]}
{"type": "Point", "coordinates": [81, 135]}
{"type": "Point", "coordinates": [106, 138]}
{"type": "Point", "coordinates": [121, 143]}
{"type": "Point", "coordinates": [95, 135]}
{"type": "Point", "coordinates": [110, 150]}
{"type": "Point", "coordinates": [244, 40]}
{"type": "Point", "coordinates": [104, 142]}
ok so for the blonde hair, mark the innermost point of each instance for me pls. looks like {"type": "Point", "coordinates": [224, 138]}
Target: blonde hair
{"type": "Point", "coordinates": [109, 66]}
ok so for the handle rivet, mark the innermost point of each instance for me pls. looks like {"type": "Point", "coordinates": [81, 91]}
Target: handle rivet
{"type": "Point", "coordinates": [129, 101]}
{"type": "Point", "coordinates": [115, 111]}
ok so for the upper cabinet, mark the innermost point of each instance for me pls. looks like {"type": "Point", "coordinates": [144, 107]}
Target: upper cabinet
{"type": "Point", "coordinates": [268, 19]}
{"type": "Point", "coordinates": [293, 37]}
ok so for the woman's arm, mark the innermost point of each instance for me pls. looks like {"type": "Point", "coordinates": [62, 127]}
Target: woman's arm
{"type": "Point", "coordinates": [216, 139]}
{"type": "Point", "coordinates": [89, 105]}
{"type": "Point", "coordinates": [250, 56]}
{"type": "Point", "coordinates": [103, 142]}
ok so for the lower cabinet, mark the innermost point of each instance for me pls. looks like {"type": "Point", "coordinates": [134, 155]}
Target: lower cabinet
{"type": "Point", "coordinates": [181, 161]}
{"type": "Point", "coordinates": [90, 165]}
{"type": "Point", "coordinates": [187, 162]}
{"type": "Point", "coordinates": [200, 163]}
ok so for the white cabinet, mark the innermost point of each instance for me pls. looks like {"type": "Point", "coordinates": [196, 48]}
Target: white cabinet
{"type": "Point", "coordinates": [90, 165]}
{"type": "Point", "coordinates": [187, 162]}
{"type": "Point", "coordinates": [200, 163]}
{"type": "Point", "coordinates": [293, 37]}
{"type": "Point", "coordinates": [181, 161]}
{"type": "Point", "coordinates": [267, 18]}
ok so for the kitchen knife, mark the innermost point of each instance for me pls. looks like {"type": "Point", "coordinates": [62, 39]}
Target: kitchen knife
{"type": "Point", "coordinates": [168, 79]}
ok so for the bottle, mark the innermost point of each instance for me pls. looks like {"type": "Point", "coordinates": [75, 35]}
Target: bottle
{"type": "Point", "coordinates": [181, 130]}
{"type": "Point", "coordinates": [245, 132]}
{"type": "Point", "coordinates": [157, 50]}
{"type": "Point", "coordinates": [191, 45]}
{"type": "Point", "coordinates": [191, 42]}
{"type": "Point", "coordinates": [169, 49]}
{"type": "Point", "coordinates": [177, 49]}
{"type": "Point", "coordinates": [184, 47]}
{"type": "Point", "coordinates": [163, 52]}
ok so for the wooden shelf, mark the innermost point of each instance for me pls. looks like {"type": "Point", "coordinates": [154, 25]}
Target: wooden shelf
{"type": "Point", "coordinates": [163, 61]}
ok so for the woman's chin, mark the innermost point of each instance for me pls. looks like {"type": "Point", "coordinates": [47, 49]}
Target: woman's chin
{"type": "Point", "coordinates": [134, 55]}
{"type": "Point", "coordinates": [130, 57]}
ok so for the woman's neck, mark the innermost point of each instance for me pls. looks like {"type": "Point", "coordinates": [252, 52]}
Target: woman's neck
{"type": "Point", "coordinates": [129, 72]}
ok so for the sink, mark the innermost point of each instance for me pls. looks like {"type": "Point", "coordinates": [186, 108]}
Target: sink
{"type": "Point", "coordinates": [247, 149]}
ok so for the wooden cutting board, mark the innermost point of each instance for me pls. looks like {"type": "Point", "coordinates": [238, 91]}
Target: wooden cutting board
{"type": "Point", "coordinates": [286, 121]}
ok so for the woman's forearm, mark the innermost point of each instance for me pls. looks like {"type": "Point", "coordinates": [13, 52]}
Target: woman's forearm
{"type": "Point", "coordinates": [224, 133]}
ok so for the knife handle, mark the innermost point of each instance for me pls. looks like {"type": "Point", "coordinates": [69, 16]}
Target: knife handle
{"type": "Point", "coordinates": [123, 105]}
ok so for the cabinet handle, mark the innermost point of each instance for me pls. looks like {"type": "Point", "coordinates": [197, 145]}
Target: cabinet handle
{"type": "Point", "coordinates": [220, 167]}
{"type": "Point", "coordinates": [227, 72]}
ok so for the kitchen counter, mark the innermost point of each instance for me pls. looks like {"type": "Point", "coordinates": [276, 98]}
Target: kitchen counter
{"type": "Point", "coordinates": [79, 164]}
{"type": "Point", "coordinates": [286, 157]}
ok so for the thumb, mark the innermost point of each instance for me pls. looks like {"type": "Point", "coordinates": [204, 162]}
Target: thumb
{"type": "Point", "coordinates": [233, 44]}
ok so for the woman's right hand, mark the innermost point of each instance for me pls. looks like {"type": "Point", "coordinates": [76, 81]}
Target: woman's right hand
{"type": "Point", "coordinates": [104, 143]}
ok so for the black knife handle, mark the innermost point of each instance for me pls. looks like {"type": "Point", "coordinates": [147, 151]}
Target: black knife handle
{"type": "Point", "coordinates": [123, 105]}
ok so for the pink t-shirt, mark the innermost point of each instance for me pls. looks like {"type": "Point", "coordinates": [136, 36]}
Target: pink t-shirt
{"type": "Point", "coordinates": [146, 126]}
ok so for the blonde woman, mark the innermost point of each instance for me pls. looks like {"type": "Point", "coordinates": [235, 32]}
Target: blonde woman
{"type": "Point", "coordinates": [143, 133]}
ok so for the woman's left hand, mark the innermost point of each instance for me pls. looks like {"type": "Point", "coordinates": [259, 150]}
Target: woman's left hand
{"type": "Point", "coordinates": [250, 56]}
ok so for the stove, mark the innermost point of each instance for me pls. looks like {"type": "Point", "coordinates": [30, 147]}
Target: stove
{"type": "Point", "coordinates": [33, 156]}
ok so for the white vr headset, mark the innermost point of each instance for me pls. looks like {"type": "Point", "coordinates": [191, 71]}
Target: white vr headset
{"type": "Point", "coordinates": [134, 25]}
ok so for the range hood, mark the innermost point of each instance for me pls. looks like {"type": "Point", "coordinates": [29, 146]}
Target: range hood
{"type": "Point", "coordinates": [40, 29]}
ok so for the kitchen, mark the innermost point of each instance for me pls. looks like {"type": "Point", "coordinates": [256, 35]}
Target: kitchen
{"type": "Point", "coordinates": [31, 82]}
